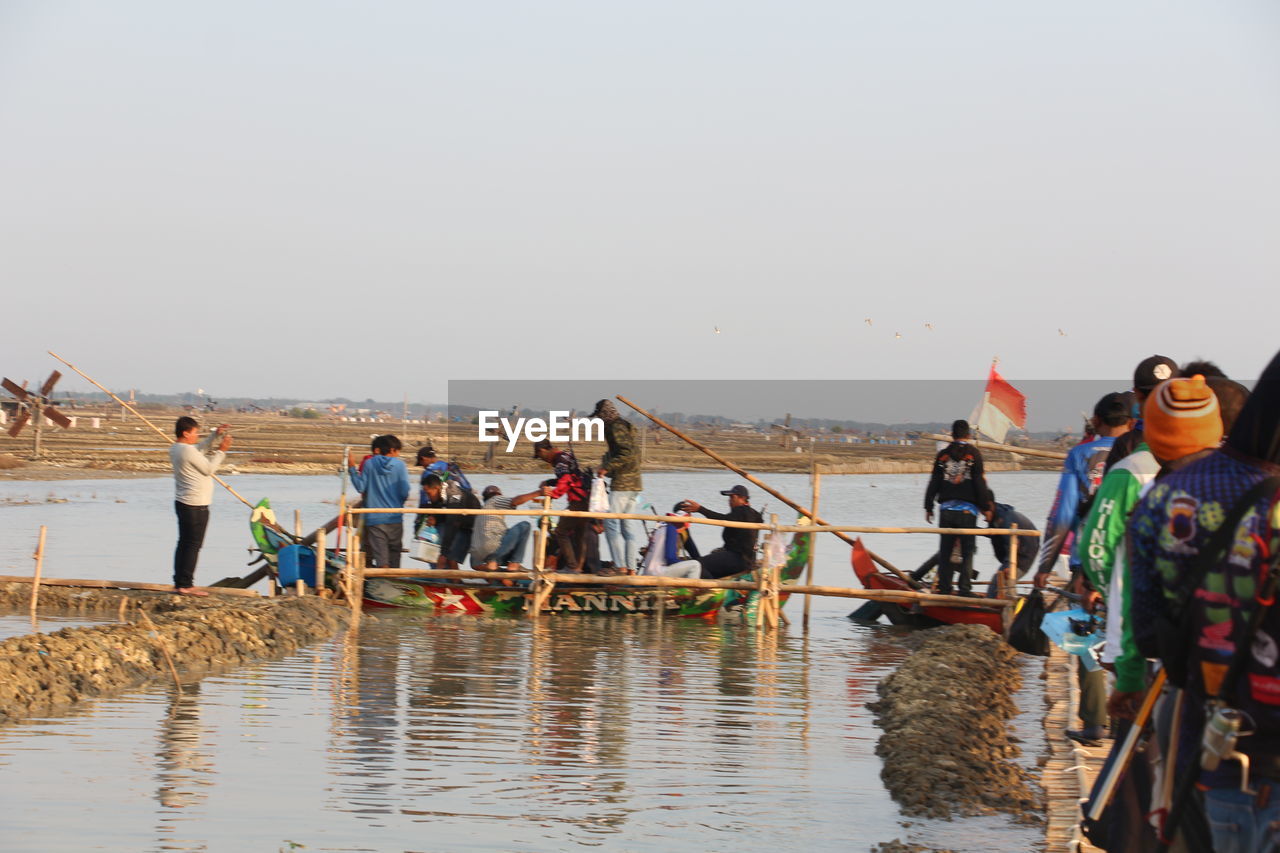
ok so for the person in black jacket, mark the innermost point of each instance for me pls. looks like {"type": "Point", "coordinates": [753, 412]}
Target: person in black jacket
{"type": "Point", "coordinates": [738, 554]}
{"type": "Point", "coordinates": [959, 485]}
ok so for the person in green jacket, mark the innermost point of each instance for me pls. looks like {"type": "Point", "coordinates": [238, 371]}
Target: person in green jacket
{"type": "Point", "coordinates": [621, 464]}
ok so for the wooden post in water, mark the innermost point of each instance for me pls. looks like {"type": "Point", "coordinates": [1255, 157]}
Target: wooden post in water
{"type": "Point", "coordinates": [297, 523]}
{"type": "Point", "coordinates": [540, 586]}
{"type": "Point", "coordinates": [39, 558]}
{"type": "Point", "coordinates": [1011, 581]}
{"type": "Point", "coordinates": [816, 477]}
{"type": "Point", "coordinates": [321, 559]}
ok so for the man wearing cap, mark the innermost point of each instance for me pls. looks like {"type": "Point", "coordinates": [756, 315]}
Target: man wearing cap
{"type": "Point", "coordinates": [621, 464]}
{"type": "Point", "coordinates": [1149, 373]}
{"type": "Point", "coordinates": [738, 554]}
{"type": "Point", "coordinates": [492, 542]}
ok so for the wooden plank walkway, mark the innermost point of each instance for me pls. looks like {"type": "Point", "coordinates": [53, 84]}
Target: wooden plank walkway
{"type": "Point", "coordinates": [1069, 773]}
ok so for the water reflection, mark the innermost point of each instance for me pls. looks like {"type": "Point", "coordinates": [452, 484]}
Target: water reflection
{"type": "Point", "coordinates": [185, 770]}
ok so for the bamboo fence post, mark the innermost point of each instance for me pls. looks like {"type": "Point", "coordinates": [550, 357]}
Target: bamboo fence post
{"type": "Point", "coordinates": [742, 472]}
{"type": "Point", "coordinates": [297, 523]}
{"type": "Point", "coordinates": [164, 649]}
{"type": "Point", "coordinates": [816, 477]}
{"type": "Point", "coordinates": [540, 586]}
{"type": "Point", "coordinates": [124, 602]}
{"type": "Point", "coordinates": [321, 559]}
{"type": "Point", "coordinates": [1010, 590]}
{"type": "Point", "coordinates": [39, 558]}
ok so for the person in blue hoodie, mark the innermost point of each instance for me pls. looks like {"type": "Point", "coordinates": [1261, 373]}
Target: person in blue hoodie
{"type": "Point", "coordinates": [383, 481]}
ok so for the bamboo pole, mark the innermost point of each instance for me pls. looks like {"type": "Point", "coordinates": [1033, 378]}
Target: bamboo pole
{"type": "Point", "coordinates": [711, 522]}
{"type": "Point", "coordinates": [742, 472]}
{"type": "Point", "coordinates": [321, 560]}
{"type": "Point", "coordinates": [816, 479]}
{"type": "Point", "coordinates": [35, 580]}
{"type": "Point", "coordinates": [1011, 580]}
{"type": "Point", "coordinates": [93, 583]}
{"type": "Point", "coordinates": [541, 587]}
{"type": "Point", "coordinates": [991, 445]}
{"type": "Point", "coordinates": [297, 523]}
{"type": "Point", "coordinates": [164, 649]}
{"type": "Point", "coordinates": [157, 429]}
{"type": "Point", "coordinates": [356, 588]}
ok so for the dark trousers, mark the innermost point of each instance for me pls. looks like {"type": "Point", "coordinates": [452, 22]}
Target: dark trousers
{"type": "Point", "coordinates": [722, 563]}
{"type": "Point", "coordinates": [947, 541]}
{"type": "Point", "coordinates": [192, 523]}
{"type": "Point", "coordinates": [382, 544]}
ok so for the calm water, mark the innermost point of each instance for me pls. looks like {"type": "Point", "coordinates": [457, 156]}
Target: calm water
{"type": "Point", "coordinates": [447, 733]}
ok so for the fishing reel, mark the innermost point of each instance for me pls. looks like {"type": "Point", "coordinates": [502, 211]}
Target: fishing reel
{"type": "Point", "coordinates": [1221, 734]}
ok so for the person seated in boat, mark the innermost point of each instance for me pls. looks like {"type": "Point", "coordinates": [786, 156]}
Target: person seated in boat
{"type": "Point", "coordinates": [493, 543]}
{"type": "Point", "coordinates": [738, 554]}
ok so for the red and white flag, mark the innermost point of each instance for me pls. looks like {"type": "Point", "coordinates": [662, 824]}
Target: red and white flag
{"type": "Point", "coordinates": [1002, 407]}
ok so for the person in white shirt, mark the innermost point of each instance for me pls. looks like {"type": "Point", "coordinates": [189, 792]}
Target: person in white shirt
{"type": "Point", "coordinates": [195, 461]}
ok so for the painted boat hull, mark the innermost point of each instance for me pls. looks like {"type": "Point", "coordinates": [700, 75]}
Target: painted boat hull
{"type": "Point", "coordinates": [917, 616]}
{"type": "Point", "coordinates": [497, 600]}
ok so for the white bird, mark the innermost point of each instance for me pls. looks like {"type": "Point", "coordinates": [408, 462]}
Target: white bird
{"type": "Point", "coordinates": [1064, 334]}
{"type": "Point", "coordinates": [717, 330]}
{"type": "Point", "coordinates": [897, 334]}
{"type": "Point", "coordinates": [929, 326]}
{"type": "Point", "coordinates": [868, 321]}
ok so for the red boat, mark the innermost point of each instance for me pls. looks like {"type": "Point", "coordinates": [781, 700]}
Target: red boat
{"type": "Point", "coordinates": [921, 616]}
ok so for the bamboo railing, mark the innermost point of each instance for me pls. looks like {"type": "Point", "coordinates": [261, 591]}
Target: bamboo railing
{"type": "Point", "coordinates": [767, 582]}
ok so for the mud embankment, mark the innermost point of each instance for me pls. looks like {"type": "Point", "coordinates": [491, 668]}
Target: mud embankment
{"type": "Point", "coordinates": [43, 673]}
{"type": "Point", "coordinates": [946, 745]}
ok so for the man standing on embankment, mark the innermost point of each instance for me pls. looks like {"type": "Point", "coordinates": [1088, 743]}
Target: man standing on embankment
{"type": "Point", "coordinates": [194, 464]}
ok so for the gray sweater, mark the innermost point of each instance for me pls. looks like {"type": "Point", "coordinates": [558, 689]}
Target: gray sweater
{"type": "Point", "coordinates": [193, 468]}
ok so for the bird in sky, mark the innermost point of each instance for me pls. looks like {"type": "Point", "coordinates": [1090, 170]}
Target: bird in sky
{"type": "Point", "coordinates": [717, 330]}
{"type": "Point", "coordinates": [897, 335]}
{"type": "Point", "coordinates": [1064, 334]}
{"type": "Point", "coordinates": [929, 326]}
{"type": "Point", "coordinates": [868, 321]}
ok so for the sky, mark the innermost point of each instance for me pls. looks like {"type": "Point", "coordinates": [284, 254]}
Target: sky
{"type": "Point", "coordinates": [316, 199]}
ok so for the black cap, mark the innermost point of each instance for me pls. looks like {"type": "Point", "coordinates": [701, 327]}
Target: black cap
{"type": "Point", "coordinates": [739, 490]}
{"type": "Point", "coordinates": [1153, 370]}
{"type": "Point", "coordinates": [545, 444]}
{"type": "Point", "coordinates": [1114, 408]}
{"type": "Point", "coordinates": [490, 491]}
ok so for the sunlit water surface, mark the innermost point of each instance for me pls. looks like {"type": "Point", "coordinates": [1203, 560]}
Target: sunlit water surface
{"type": "Point", "coordinates": [447, 733]}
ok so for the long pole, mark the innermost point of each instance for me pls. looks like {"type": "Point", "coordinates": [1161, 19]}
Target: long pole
{"type": "Point", "coordinates": [742, 472]}
{"type": "Point", "coordinates": [157, 429]}
{"type": "Point", "coordinates": [35, 582]}
{"type": "Point", "coordinates": [816, 477]}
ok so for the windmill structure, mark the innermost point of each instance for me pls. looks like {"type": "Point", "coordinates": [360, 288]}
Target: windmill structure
{"type": "Point", "coordinates": [35, 406]}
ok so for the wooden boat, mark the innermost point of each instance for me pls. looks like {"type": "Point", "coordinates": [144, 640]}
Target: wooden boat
{"type": "Point", "coordinates": [926, 616]}
{"type": "Point", "coordinates": [453, 596]}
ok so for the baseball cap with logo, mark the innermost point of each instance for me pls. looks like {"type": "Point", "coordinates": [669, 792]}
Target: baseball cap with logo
{"type": "Point", "coordinates": [1153, 370]}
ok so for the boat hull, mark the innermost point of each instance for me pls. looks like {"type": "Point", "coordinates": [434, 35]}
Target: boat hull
{"type": "Point", "coordinates": [926, 616]}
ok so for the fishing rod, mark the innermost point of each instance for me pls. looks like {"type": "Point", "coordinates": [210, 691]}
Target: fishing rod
{"type": "Point", "coordinates": [139, 416]}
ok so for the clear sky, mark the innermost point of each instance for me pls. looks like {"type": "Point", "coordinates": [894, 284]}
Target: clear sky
{"type": "Point", "coordinates": [314, 199]}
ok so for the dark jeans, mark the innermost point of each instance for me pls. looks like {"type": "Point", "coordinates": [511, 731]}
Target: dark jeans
{"type": "Point", "coordinates": [382, 544]}
{"type": "Point", "coordinates": [955, 518]}
{"type": "Point", "coordinates": [192, 523]}
{"type": "Point", "coordinates": [722, 563]}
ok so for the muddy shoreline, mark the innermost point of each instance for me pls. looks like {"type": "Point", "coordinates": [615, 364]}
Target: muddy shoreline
{"type": "Point", "coordinates": [47, 673]}
{"type": "Point", "coordinates": [944, 713]}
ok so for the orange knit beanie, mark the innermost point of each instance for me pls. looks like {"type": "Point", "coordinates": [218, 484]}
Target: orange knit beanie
{"type": "Point", "coordinates": [1180, 417]}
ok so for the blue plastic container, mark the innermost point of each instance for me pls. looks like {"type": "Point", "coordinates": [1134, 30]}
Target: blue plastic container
{"type": "Point", "coordinates": [294, 562]}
